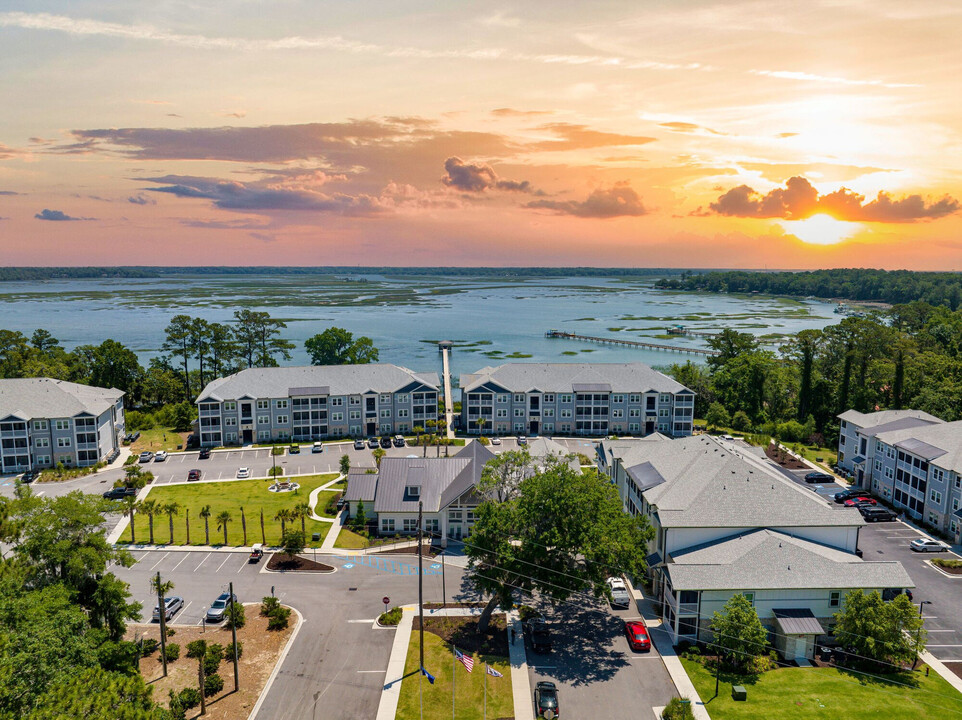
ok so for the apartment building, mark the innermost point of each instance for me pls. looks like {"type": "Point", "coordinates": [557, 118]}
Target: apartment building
{"type": "Point", "coordinates": [315, 402]}
{"type": "Point", "coordinates": [44, 422]}
{"type": "Point", "coordinates": [726, 522]}
{"type": "Point", "coordinates": [856, 449]}
{"type": "Point", "coordinates": [593, 399]}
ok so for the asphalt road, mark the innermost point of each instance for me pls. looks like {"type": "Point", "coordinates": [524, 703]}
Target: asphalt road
{"type": "Point", "coordinates": [593, 666]}
{"type": "Point", "coordinates": [336, 667]}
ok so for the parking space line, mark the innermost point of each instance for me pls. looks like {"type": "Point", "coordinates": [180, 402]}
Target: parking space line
{"type": "Point", "coordinates": [183, 610]}
{"type": "Point", "coordinates": [223, 563]}
{"type": "Point", "coordinates": [160, 561]}
{"type": "Point", "coordinates": [243, 565]}
{"type": "Point", "coordinates": [178, 564]}
{"type": "Point", "coordinates": [202, 562]}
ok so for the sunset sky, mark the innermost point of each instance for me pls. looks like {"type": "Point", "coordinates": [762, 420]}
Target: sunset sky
{"type": "Point", "coordinates": [777, 134]}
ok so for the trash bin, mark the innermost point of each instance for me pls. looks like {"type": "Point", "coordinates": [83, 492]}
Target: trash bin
{"type": "Point", "coordinates": [824, 653]}
{"type": "Point", "coordinates": [315, 537]}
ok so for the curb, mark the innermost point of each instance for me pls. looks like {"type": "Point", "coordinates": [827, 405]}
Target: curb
{"type": "Point", "coordinates": [277, 665]}
{"type": "Point", "coordinates": [951, 576]}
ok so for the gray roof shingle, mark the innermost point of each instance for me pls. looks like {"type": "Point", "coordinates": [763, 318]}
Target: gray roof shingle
{"type": "Point", "coordinates": [869, 420]}
{"type": "Point", "coordinates": [29, 398]}
{"type": "Point", "coordinates": [281, 382]}
{"type": "Point", "coordinates": [566, 377]}
{"type": "Point", "coordinates": [941, 443]}
{"type": "Point", "coordinates": [770, 560]}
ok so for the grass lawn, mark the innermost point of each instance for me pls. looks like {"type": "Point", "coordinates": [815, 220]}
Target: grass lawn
{"type": "Point", "coordinates": [828, 455]}
{"type": "Point", "coordinates": [801, 693]}
{"type": "Point", "coordinates": [350, 540]}
{"type": "Point", "coordinates": [468, 687]}
{"type": "Point", "coordinates": [251, 495]}
{"type": "Point", "coordinates": [158, 439]}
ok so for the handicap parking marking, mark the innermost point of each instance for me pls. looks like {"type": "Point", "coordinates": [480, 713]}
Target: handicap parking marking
{"type": "Point", "coordinates": [347, 566]}
{"type": "Point", "coordinates": [435, 566]}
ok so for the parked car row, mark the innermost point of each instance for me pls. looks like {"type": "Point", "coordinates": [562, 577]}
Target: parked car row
{"type": "Point", "coordinates": [216, 613]}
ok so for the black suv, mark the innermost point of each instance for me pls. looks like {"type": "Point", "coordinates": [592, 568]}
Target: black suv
{"type": "Point", "coordinates": [203, 454]}
{"type": "Point", "coordinates": [871, 513]}
{"type": "Point", "coordinates": [29, 476]}
{"type": "Point", "coordinates": [844, 495]}
{"type": "Point", "coordinates": [386, 442]}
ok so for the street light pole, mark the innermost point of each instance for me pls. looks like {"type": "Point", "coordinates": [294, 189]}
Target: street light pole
{"type": "Point", "coordinates": [918, 634]}
{"type": "Point", "coordinates": [420, 585]}
{"type": "Point", "coordinates": [233, 632]}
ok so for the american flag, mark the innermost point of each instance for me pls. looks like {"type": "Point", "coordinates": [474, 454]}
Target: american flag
{"type": "Point", "coordinates": [492, 671]}
{"type": "Point", "coordinates": [466, 660]}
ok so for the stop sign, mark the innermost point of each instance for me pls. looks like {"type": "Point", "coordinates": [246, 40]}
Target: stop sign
{"type": "Point", "coordinates": [385, 599]}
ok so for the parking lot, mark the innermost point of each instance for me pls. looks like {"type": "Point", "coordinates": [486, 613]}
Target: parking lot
{"type": "Point", "coordinates": [593, 666]}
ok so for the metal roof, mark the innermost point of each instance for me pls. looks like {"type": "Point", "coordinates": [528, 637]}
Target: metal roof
{"type": "Point", "coordinates": [563, 377]}
{"type": "Point", "coordinates": [29, 398]}
{"type": "Point", "coordinates": [868, 420]}
{"type": "Point", "coordinates": [280, 382]}
{"type": "Point", "coordinates": [921, 449]}
{"type": "Point", "coordinates": [361, 485]}
{"type": "Point", "coordinates": [940, 443]}
{"type": "Point", "coordinates": [797, 621]}
{"type": "Point", "coordinates": [858, 460]}
{"type": "Point", "coordinates": [645, 476]}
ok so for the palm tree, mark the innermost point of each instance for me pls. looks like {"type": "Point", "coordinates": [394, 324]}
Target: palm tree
{"type": "Point", "coordinates": [162, 588]}
{"type": "Point", "coordinates": [187, 522]}
{"type": "Point", "coordinates": [205, 513]}
{"type": "Point", "coordinates": [222, 520]}
{"type": "Point", "coordinates": [150, 508]}
{"type": "Point", "coordinates": [244, 524]}
{"type": "Point", "coordinates": [481, 422]}
{"type": "Point", "coordinates": [171, 509]}
{"type": "Point", "coordinates": [263, 534]}
{"type": "Point", "coordinates": [283, 515]}
{"type": "Point", "coordinates": [130, 504]}
{"type": "Point", "coordinates": [303, 511]}
{"type": "Point", "coordinates": [378, 453]}
{"type": "Point", "coordinates": [418, 429]}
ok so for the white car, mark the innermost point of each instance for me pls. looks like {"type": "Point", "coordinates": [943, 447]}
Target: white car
{"type": "Point", "coordinates": [243, 473]}
{"type": "Point", "coordinates": [495, 441]}
{"type": "Point", "coordinates": [923, 545]}
{"type": "Point", "coordinates": [160, 456]}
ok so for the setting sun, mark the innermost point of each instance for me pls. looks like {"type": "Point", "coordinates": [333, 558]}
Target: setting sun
{"type": "Point", "coordinates": [821, 229]}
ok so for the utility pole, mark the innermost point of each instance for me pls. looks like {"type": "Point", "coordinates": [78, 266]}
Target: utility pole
{"type": "Point", "coordinates": [202, 681]}
{"type": "Point", "coordinates": [444, 593]}
{"type": "Point", "coordinates": [163, 623]}
{"type": "Point", "coordinates": [420, 583]}
{"type": "Point", "coordinates": [233, 633]}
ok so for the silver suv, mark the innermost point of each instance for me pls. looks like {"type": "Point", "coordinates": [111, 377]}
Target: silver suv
{"type": "Point", "coordinates": [218, 608]}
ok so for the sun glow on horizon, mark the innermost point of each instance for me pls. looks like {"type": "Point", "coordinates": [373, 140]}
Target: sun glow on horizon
{"type": "Point", "coordinates": [821, 229]}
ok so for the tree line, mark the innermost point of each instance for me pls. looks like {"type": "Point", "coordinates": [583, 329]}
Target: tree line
{"type": "Point", "coordinates": [888, 286]}
{"type": "Point", "coordinates": [907, 357]}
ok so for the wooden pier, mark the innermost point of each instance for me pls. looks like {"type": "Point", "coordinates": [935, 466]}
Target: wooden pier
{"type": "Point", "coordinates": [682, 330]}
{"type": "Point", "coordinates": [628, 343]}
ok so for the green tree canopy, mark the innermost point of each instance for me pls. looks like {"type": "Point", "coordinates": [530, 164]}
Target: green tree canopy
{"type": "Point", "coordinates": [337, 346]}
{"type": "Point", "coordinates": [738, 631]}
{"type": "Point", "coordinates": [717, 416]}
{"type": "Point", "coordinates": [564, 532]}
{"type": "Point", "coordinates": [880, 631]}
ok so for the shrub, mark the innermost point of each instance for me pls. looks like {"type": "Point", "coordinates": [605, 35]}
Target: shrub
{"type": "Point", "coordinates": [213, 684]}
{"type": "Point", "coordinates": [131, 459]}
{"type": "Point", "coordinates": [331, 507]}
{"type": "Point", "coordinates": [280, 619]}
{"type": "Point", "coordinates": [269, 605]}
{"type": "Point", "coordinates": [173, 652]}
{"type": "Point", "coordinates": [189, 697]}
{"type": "Point", "coordinates": [171, 631]}
{"type": "Point", "coordinates": [391, 617]}
{"type": "Point", "coordinates": [276, 450]}
{"type": "Point", "coordinates": [177, 711]}
{"type": "Point", "coordinates": [235, 617]}
{"type": "Point", "coordinates": [196, 648]}
{"type": "Point", "coordinates": [762, 663]}
{"type": "Point", "coordinates": [678, 710]}
{"type": "Point", "coordinates": [943, 563]}
{"type": "Point", "coordinates": [135, 420]}
{"type": "Point", "coordinates": [741, 421]}
{"type": "Point", "coordinates": [275, 471]}
{"type": "Point", "coordinates": [229, 651]}
{"type": "Point", "coordinates": [211, 663]}
{"type": "Point", "coordinates": [150, 646]}
{"type": "Point", "coordinates": [215, 650]}
{"type": "Point", "coordinates": [694, 651]}
{"type": "Point", "coordinates": [526, 612]}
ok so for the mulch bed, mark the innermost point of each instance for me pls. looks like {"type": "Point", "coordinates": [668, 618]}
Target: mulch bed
{"type": "Point", "coordinates": [789, 462]}
{"type": "Point", "coordinates": [949, 570]}
{"type": "Point", "coordinates": [280, 562]}
{"type": "Point", "coordinates": [428, 551]}
{"type": "Point", "coordinates": [955, 667]}
{"type": "Point", "coordinates": [463, 633]}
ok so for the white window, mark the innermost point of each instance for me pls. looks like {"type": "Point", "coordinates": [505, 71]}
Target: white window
{"type": "Point", "coordinates": [519, 427]}
{"type": "Point", "coordinates": [355, 430]}
{"type": "Point", "coordinates": [263, 419]}
{"type": "Point", "coordinates": [432, 525]}
{"type": "Point", "coordinates": [834, 598]}
{"type": "Point", "coordinates": [385, 399]}
{"type": "Point", "coordinates": [936, 497]}
{"type": "Point", "coordinates": [454, 516]}
{"type": "Point", "coordinates": [403, 398]}
{"type": "Point", "coordinates": [548, 428]}
{"type": "Point", "coordinates": [519, 397]}
{"type": "Point", "coordinates": [413, 491]}
{"type": "Point", "coordinates": [63, 442]}
{"type": "Point", "coordinates": [43, 459]}
{"type": "Point", "coordinates": [633, 398]}
{"type": "Point", "coordinates": [339, 401]}
{"type": "Point", "coordinates": [750, 596]}
{"type": "Point", "coordinates": [549, 412]}
{"type": "Point", "coordinates": [663, 427]}
{"type": "Point", "coordinates": [231, 437]}
{"type": "Point", "coordinates": [337, 416]}
{"type": "Point", "coordinates": [889, 473]}
{"type": "Point", "coordinates": [386, 412]}
{"type": "Point", "coordinates": [955, 504]}
{"type": "Point", "coordinates": [387, 525]}
{"type": "Point", "coordinates": [354, 414]}
{"type": "Point", "coordinates": [403, 412]}
{"type": "Point", "coordinates": [39, 424]}
{"type": "Point", "coordinates": [282, 419]}
{"type": "Point", "coordinates": [664, 412]}
{"type": "Point", "coordinates": [634, 427]}
{"type": "Point", "coordinates": [230, 405]}
{"type": "Point", "coordinates": [664, 399]}
{"type": "Point", "coordinates": [410, 525]}
{"type": "Point", "coordinates": [565, 428]}
{"type": "Point", "coordinates": [263, 404]}
{"type": "Point", "coordinates": [566, 413]}
{"type": "Point", "coordinates": [617, 398]}
{"type": "Point", "coordinates": [355, 400]}
{"type": "Point", "coordinates": [617, 413]}
{"type": "Point", "coordinates": [549, 397]}
{"type": "Point", "coordinates": [501, 412]}
{"type": "Point", "coordinates": [634, 412]}
{"type": "Point", "coordinates": [937, 474]}
{"type": "Point", "coordinates": [42, 442]}
{"type": "Point", "coordinates": [519, 412]}
{"type": "Point", "coordinates": [281, 404]}
{"type": "Point", "coordinates": [933, 518]}
{"type": "Point", "coordinates": [890, 452]}
{"type": "Point", "coordinates": [878, 466]}
{"type": "Point", "coordinates": [566, 398]}
{"type": "Point", "coordinates": [503, 398]}
{"type": "Point", "coordinates": [878, 446]}
{"type": "Point", "coordinates": [263, 434]}
{"type": "Point", "coordinates": [232, 421]}
{"type": "Point", "coordinates": [62, 424]}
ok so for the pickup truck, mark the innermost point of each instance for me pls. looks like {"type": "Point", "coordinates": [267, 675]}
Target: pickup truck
{"type": "Point", "coordinates": [539, 634]}
{"type": "Point", "coordinates": [620, 597]}
{"type": "Point", "coordinates": [119, 493]}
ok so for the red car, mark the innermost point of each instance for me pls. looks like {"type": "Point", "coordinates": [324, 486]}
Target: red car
{"type": "Point", "coordinates": [855, 502]}
{"type": "Point", "coordinates": [637, 633]}
{"type": "Point", "coordinates": [193, 475]}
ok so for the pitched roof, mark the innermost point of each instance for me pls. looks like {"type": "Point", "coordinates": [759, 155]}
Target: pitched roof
{"type": "Point", "coordinates": [899, 424]}
{"type": "Point", "coordinates": [361, 485]}
{"type": "Point", "coordinates": [869, 420]}
{"type": "Point", "coordinates": [29, 398]}
{"type": "Point", "coordinates": [573, 377]}
{"type": "Point", "coordinates": [941, 444]}
{"type": "Point", "coordinates": [698, 482]}
{"type": "Point", "coordinates": [797, 621]}
{"type": "Point", "coordinates": [770, 560]}
{"type": "Point", "coordinates": [281, 382]}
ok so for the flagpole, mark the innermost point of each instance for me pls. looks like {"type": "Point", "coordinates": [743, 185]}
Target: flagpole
{"type": "Point", "coordinates": [420, 690]}
{"type": "Point", "coordinates": [454, 677]}
{"type": "Point", "coordinates": [485, 691]}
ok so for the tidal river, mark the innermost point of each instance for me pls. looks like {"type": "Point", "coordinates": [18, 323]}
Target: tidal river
{"type": "Point", "coordinates": [491, 320]}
